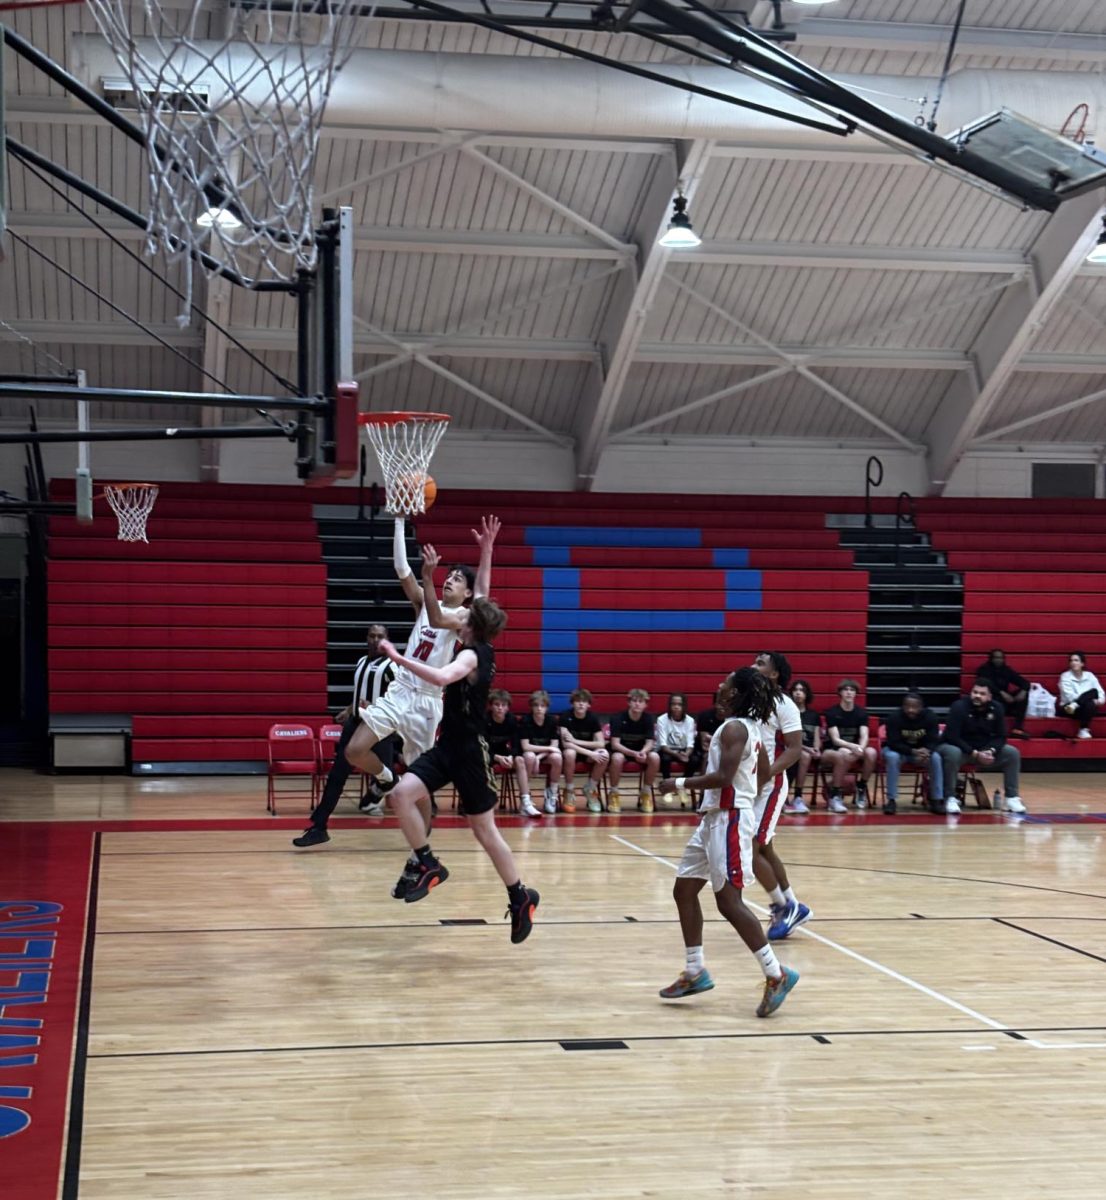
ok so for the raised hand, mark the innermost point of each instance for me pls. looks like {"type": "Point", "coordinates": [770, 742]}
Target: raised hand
{"type": "Point", "coordinates": [386, 647]}
{"type": "Point", "coordinates": [487, 533]}
{"type": "Point", "coordinates": [430, 559]}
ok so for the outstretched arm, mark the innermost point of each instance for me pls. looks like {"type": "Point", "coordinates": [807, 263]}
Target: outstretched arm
{"type": "Point", "coordinates": [406, 576]}
{"type": "Point", "coordinates": [438, 619]}
{"type": "Point", "coordinates": [485, 539]}
{"type": "Point", "coordinates": [464, 664]}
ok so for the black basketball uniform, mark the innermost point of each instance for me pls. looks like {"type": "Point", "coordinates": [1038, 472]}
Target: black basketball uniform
{"type": "Point", "coordinates": [461, 755]}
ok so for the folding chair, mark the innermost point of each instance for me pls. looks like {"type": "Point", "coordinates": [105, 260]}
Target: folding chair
{"type": "Point", "coordinates": [293, 754]}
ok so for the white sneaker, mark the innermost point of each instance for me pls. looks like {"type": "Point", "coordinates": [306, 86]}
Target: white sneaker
{"type": "Point", "coordinates": [861, 799]}
{"type": "Point", "coordinates": [550, 805]}
{"type": "Point", "coordinates": [1015, 805]}
{"type": "Point", "coordinates": [528, 809]}
{"type": "Point", "coordinates": [837, 805]}
{"type": "Point", "coordinates": [952, 806]}
{"type": "Point", "coordinates": [798, 807]}
{"type": "Point", "coordinates": [1084, 734]}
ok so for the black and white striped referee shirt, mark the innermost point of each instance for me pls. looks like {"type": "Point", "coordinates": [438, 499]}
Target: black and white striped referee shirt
{"type": "Point", "coordinates": [371, 679]}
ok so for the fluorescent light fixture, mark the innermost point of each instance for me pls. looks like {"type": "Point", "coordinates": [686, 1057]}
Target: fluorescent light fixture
{"type": "Point", "coordinates": [679, 235]}
{"type": "Point", "coordinates": [222, 217]}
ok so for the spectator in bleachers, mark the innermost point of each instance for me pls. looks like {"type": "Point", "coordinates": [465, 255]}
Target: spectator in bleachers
{"type": "Point", "coordinates": [803, 695]}
{"type": "Point", "coordinates": [632, 740]}
{"type": "Point", "coordinates": [1007, 687]}
{"type": "Point", "coordinates": [582, 738]}
{"type": "Point", "coordinates": [847, 749]}
{"type": "Point", "coordinates": [912, 736]}
{"type": "Point", "coordinates": [502, 737]}
{"type": "Point", "coordinates": [541, 749]}
{"type": "Point", "coordinates": [975, 732]}
{"type": "Point", "coordinates": [676, 733]}
{"type": "Point", "coordinates": [1080, 692]}
{"type": "Point", "coordinates": [706, 723]}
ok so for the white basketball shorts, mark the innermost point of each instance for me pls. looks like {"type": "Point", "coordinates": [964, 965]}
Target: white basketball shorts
{"type": "Point", "coordinates": [721, 849]}
{"type": "Point", "coordinates": [414, 715]}
{"type": "Point", "coordinates": [768, 807]}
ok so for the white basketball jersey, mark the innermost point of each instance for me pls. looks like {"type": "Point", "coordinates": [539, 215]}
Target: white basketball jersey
{"type": "Point", "coordinates": [742, 792]}
{"type": "Point", "coordinates": [785, 718]}
{"type": "Point", "coordinates": [435, 647]}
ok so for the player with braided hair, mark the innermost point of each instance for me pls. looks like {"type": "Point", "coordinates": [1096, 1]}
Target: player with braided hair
{"type": "Point", "coordinates": [721, 848]}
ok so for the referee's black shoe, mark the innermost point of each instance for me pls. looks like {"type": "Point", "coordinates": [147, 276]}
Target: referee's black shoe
{"type": "Point", "coordinates": [423, 877]}
{"type": "Point", "coordinates": [311, 836]}
{"type": "Point", "coordinates": [521, 913]}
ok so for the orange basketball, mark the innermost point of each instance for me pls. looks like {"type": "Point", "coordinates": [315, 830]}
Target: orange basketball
{"type": "Point", "coordinates": [408, 486]}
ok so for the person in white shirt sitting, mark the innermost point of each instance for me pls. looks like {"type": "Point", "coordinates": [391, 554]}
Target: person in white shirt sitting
{"type": "Point", "coordinates": [675, 735]}
{"type": "Point", "coordinates": [1080, 692]}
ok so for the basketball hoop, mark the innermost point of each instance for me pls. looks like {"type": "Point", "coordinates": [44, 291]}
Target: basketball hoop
{"type": "Point", "coordinates": [231, 122]}
{"type": "Point", "coordinates": [404, 443]}
{"type": "Point", "coordinates": [132, 503]}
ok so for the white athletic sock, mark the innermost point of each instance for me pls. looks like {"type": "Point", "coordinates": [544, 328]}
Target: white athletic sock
{"type": "Point", "coordinates": [385, 775]}
{"type": "Point", "coordinates": [769, 963]}
{"type": "Point", "coordinates": [789, 896]}
{"type": "Point", "coordinates": [525, 797]}
{"type": "Point", "coordinates": [694, 961]}
{"type": "Point", "coordinates": [776, 895]}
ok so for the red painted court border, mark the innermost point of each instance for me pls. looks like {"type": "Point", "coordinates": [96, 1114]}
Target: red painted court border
{"type": "Point", "coordinates": [47, 916]}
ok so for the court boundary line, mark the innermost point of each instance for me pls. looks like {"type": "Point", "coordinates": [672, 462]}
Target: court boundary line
{"type": "Point", "coordinates": [767, 1034]}
{"type": "Point", "coordinates": [71, 1172]}
{"type": "Point", "coordinates": [1045, 938]}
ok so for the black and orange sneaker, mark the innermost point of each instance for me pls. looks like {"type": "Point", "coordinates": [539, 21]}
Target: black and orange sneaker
{"type": "Point", "coordinates": [422, 877]}
{"type": "Point", "coordinates": [522, 915]}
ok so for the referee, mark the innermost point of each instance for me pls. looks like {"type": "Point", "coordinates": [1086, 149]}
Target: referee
{"type": "Point", "coordinates": [371, 677]}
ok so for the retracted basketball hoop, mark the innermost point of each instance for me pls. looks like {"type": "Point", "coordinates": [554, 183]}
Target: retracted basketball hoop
{"type": "Point", "coordinates": [404, 443]}
{"type": "Point", "coordinates": [132, 503]}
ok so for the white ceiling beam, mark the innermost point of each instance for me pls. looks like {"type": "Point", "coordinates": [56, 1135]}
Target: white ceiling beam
{"type": "Point", "coordinates": [1057, 410]}
{"type": "Point", "coordinates": [625, 321]}
{"type": "Point", "coordinates": [1055, 258]}
{"type": "Point", "coordinates": [852, 258]}
{"type": "Point", "coordinates": [551, 202]}
{"type": "Point", "coordinates": [107, 333]}
{"type": "Point", "coordinates": [558, 439]}
{"type": "Point", "coordinates": [798, 364]}
{"type": "Point", "coordinates": [915, 38]}
{"type": "Point", "coordinates": [876, 357]}
{"type": "Point", "coordinates": [446, 146]}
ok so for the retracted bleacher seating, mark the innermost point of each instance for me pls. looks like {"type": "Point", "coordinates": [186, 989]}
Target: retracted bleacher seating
{"type": "Point", "coordinates": [206, 635]}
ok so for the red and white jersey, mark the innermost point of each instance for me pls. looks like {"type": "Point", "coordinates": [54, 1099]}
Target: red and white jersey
{"type": "Point", "coordinates": [784, 719]}
{"type": "Point", "coordinates": [742, 791]}
{"type": "Point", "coordinates": [435, 647]}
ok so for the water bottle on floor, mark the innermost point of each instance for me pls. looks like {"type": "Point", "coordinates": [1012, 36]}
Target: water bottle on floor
{"type": "Point", "coordinates": [996, 801]}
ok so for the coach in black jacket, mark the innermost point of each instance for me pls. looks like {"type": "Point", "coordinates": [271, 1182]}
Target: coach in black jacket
{"type": "Point", "coordinates": [975, 732]}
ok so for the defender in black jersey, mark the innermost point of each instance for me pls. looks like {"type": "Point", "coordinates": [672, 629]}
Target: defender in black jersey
{"type": "Point", "coordinates": [461, 757]}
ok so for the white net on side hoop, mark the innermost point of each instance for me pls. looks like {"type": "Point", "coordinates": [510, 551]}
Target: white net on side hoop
{"type": "Point", "coordinates": [404, 444]}
{"type": "Point", "coordinates": [232, 97]}
{"type": "Point", "coordinates": [132, 503]}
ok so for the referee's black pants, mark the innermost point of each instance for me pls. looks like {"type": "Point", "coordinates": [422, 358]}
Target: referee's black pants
{"type": "Point", "coordinates": [340, 771]}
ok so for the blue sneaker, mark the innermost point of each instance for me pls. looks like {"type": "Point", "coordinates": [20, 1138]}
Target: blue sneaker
{"type": "Point", "coordinates": [688, 985]}
{"type": "Point", "coordinates": [786, 917]}
{"type": "Point", "coordinates": [775, 992]}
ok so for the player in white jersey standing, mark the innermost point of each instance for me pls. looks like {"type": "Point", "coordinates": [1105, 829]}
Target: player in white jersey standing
{"type": "Point", "coordinates": [721, 848]}
{"type": "Point", "coordinates": [787, 911]}
{"type": "Point", "coordinates": [412, 707]}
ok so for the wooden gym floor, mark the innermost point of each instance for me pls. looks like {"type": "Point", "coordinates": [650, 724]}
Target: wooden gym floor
{"type": "Point", "coordinates": [231, 1019]}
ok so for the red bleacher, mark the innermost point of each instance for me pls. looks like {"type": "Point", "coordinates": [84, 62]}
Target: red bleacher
{"type": "Point", "coordinates": [205, 635]}
{"type": "Point", "coordinates": [1034, 585]}
{"type": "Point", "coordinates": [802, 571]}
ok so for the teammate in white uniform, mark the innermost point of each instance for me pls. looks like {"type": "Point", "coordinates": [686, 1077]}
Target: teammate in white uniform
{"type": "Point", "coordinates": [785, 721]}
{"type": "Point", "coordinates": [411, 707]}
{"type": "Point", "coordinates": [721, 848]}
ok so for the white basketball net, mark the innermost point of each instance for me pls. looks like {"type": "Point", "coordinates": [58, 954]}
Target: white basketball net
{"type": "Point", "coordinates": [132, 503]}
{"type": "Point", "coordinates": [404, 448]}
{"type": "Point", "coordinates": [267, 76]}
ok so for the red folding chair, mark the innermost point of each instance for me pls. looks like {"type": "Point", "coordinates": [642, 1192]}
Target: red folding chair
{"type": "Point", "coordinates": [293, 755]}
{"type": "Point", "coordinates": [329, 737]}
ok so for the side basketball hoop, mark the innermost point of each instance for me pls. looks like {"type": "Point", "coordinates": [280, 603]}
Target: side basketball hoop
{"type": "Point", "coordinates": [404, 443]}
{"type": "Point", "coordinates": [132, 503]}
